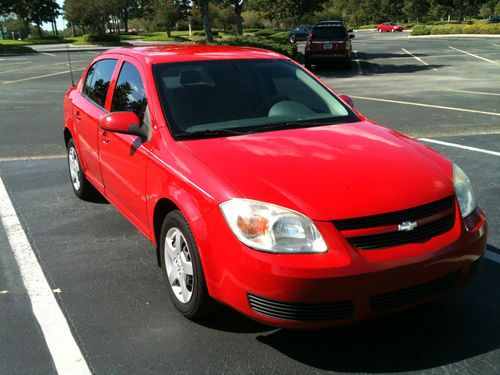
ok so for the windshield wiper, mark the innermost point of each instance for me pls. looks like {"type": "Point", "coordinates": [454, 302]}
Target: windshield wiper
{"type": "Point", "coordinates": [294, 124]}
{"type": "Point", "coordinates": [207, 133]}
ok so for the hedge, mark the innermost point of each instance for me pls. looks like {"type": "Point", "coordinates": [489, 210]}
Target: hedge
{"type": "Point", "coordinates": [280, 37]}
{"type": "Point", "coordinates": [202, 33]}
{"type": "Point", "coordinates": [286, 49]}
{"type": "Point", "coordinates": [479, 28]}
{"type": "Point", "coordinates": [105, 38]}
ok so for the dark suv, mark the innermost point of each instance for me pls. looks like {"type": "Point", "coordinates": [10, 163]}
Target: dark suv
{"type": "Point", "coordinates": [329, 43]}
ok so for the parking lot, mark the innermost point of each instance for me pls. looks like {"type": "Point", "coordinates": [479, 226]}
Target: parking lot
{"type": "Point", "coordinates": [104, 275]}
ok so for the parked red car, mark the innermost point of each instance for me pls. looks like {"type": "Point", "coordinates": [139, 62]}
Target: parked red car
{"type": "Point", "coordinates": [389, 26]}
{"type": "Point", "coordinates": [264, 190]}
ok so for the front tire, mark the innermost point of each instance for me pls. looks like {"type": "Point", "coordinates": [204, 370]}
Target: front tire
{"type": "Point", "coordinates": [81, 186]}
{"type": "Point", "coordinates": [293, 39]}
{"type": "Point", "coordinates": [181, 263]}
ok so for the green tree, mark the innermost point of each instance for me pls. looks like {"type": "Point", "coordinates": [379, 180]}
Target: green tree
{"type": "Point", "coordinates": [416, 9]}
{"type": "Point", "coordinates": [167, 13]}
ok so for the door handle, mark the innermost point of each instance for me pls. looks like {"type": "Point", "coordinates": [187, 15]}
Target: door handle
{"type": "Point", "coordinates": [105, 138]}
{"type": "Point", "coordinates": [78, 115]}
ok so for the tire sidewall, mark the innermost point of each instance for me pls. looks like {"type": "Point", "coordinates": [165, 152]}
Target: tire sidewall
{"type": "Point", "coordinates": [177, 220]}
{"type": "Point", "coordinates": [80, 191]}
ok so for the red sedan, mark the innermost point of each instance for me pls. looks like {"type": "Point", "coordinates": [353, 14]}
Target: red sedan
{"type": "Point", "coordinates": [389, 26]}
{"type": "Point", "coordinates": [264, 190]}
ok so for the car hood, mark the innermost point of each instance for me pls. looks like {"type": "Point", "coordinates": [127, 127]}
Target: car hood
{"type": "Point", "coordinates": [329, 172]}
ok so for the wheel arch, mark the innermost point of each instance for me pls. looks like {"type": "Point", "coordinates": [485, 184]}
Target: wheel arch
{"type": "Point", "coordinates": [162, 208]}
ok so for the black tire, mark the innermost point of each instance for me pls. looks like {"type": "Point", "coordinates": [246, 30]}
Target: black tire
{"type": "Point", "coordinates": [292, 39]}
{"type": "Point", "coordinates": [200, 303]}
{"type": "Point", "coordinates": [82, 188]}
{"type": "Point", "coordinates": [348, 64]}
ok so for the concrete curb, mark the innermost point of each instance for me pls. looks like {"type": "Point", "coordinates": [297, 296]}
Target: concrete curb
{"type": "Point", "coordinates": [456, 36]}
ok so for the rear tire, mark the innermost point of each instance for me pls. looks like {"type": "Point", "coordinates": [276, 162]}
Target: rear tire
{"type": "Point", "coordinates": [182, 267]}
{"type": "Point", "coordinates": [293, 39]}
{"type": "Point", "coordinates": [307, 63]}
{"type": "Point", "coordinates": [81, 186]}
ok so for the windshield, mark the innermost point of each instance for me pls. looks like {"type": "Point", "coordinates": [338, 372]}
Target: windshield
{"type": "Point", "coordinates": [204, 99]}
{"type": "Point", "coordinates": [329, 33]}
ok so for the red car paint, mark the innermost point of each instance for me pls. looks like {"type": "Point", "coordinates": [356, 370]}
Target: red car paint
{"type": "Point", "coordinates": [389, 26]}
{"type": "Point", "coordinates": [327, 173]}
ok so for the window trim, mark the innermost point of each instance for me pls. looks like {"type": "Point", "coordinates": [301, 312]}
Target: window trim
{"type": "Point", "coordinates": [109, 86]}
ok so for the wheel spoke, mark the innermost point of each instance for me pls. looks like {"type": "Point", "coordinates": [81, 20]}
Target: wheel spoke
{"type": "Point", "coordinates": [186, 265]}
{"type": "Point", "coordinates": [172, 275]}
{"type": "Point", "coordinates": [184, 290]}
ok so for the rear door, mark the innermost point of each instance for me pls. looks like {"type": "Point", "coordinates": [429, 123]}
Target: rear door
{"type": "Point", "coordinates": [87, 110]}
{"type": "Point", "coordinates": [123, 157]}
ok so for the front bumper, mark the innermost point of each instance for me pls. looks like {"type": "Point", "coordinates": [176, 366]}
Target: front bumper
{"type": "Point", "coordinates": [341, 286]}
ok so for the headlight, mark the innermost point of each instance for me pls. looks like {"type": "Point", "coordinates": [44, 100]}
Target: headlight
{"type": "Point", "coordinates": [272, 228]}
{"type": "Point", "coordinates": [463, 188]}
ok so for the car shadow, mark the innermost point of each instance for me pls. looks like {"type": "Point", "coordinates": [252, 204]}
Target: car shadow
{"type": "Point", "coordinates": [461, 326]}
{"type": "Point", "coordinates": [229, 320]}
{"type": "Point", "coordinates": [369, 67]}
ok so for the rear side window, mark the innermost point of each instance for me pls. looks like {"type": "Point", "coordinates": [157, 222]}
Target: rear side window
{"type": "Point", "coordinates": [97, 81]}
{"type": "Point", "coordinates": [129, 95]}
{"type": "Point", "coordinates": [329, 33]}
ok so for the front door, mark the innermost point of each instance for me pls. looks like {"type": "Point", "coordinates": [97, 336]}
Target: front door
{"type": "Point", "coordinates": [122, 156]}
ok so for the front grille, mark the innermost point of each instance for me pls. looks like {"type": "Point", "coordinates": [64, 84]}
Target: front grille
{"type": "Point", "coordinates": [419, 234]}
{"type": "Point", "coordinates": [301, 311]}
{"type": "Point", "coordinates": [433, 219]}
{"type": "Point", "coordinates": [406, 296]}
{"type": "Point", "coordinates": [396, 217]}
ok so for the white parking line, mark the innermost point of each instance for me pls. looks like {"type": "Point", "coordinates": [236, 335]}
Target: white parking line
{"type": "Point", "coordinates": [358, 63]}
{"type": "Point", "coordinates": [33, 67]}
{"type": "Point", "coordinates": [417, 58]}
{"type": "Point", "coordinates": [426, 105]}
{"type": "Point", "coordinates": [494, 257]}
{"type": "Point", "coordinates": [475, 92]}
{"type": "Point", "coordinates": [481, 150]}
{"type": "Point", "coordinates": [63, 348]}
{"type": "Point", "coordinates": [48, 54]}
{"type": "Point", "coordinates": [42, 76]}
{"type": "Point", "coordinates": [471, 54]}
{"type": "Point", "coordinates": [28, 158]}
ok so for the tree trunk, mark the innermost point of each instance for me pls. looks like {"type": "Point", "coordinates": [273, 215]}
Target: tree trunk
{"type": "Point", "coordinates": [73, 31]}
{"type": "Point", "coordinates": [55, 27]}
{"type": "Point", "coordinates": [39, 29]}
{"type": "Point", "coordinates": [239, 19]}
{"type": "Point", "coordinates": [207, 23]}
{"type": "Point", "coordinates": [1, 30]}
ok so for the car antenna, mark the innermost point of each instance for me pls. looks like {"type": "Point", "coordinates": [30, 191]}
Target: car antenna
{"type": "Point", "coordinates": [69, 63]}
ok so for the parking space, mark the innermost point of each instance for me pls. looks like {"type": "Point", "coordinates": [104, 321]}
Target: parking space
{"type": "Point", "coordinates": [103, 271]}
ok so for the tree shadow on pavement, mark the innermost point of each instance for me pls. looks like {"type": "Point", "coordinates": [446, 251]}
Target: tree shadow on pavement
{"type": "Point", "coordinates": [459, 327]}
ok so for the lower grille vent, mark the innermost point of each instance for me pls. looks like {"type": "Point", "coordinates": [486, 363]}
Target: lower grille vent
{"type": "Point", "coordinates": [402, 297]}
{"type": "Point", "coordinates": [301, 311]}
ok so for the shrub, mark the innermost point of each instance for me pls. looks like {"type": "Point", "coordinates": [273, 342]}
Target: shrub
{"type": "Point", "coordinates": [479, 28]}
{"type": "Point", "coordinates": [280, 37]}
{"type": "Point", "coordinates": [202, 33]}
{"type": "Point", "coordinates": [366, 27]}
{"type": "Point", "coordinates": [286, 49]}
{"type": "Point", "coordinates": [105, 38]}
{"type": "Point", "coordinates": [264, 33]}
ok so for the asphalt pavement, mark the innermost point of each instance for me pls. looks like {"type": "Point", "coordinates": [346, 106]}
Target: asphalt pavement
{"type": "Point", "coordinates": [103, 272]}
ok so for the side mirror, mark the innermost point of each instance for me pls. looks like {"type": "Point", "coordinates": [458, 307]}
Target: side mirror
{"type": "Point", "coordinates": [347, 100]}
{"type": "Point", "coordinates": [352, 36]}
{"type": "Point", "coordinates": [125, 123]}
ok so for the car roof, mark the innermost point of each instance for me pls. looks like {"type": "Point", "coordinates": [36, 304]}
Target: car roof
{"type": "Point", "coordinates": [157, 54]}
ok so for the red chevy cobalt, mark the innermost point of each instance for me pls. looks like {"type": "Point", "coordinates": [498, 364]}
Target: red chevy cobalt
{"type": "Point", "coordinates": [264, 190]}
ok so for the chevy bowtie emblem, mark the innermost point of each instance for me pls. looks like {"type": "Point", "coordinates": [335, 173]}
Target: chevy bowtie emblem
{"type": "Point", "coordinates": [407, 226]}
